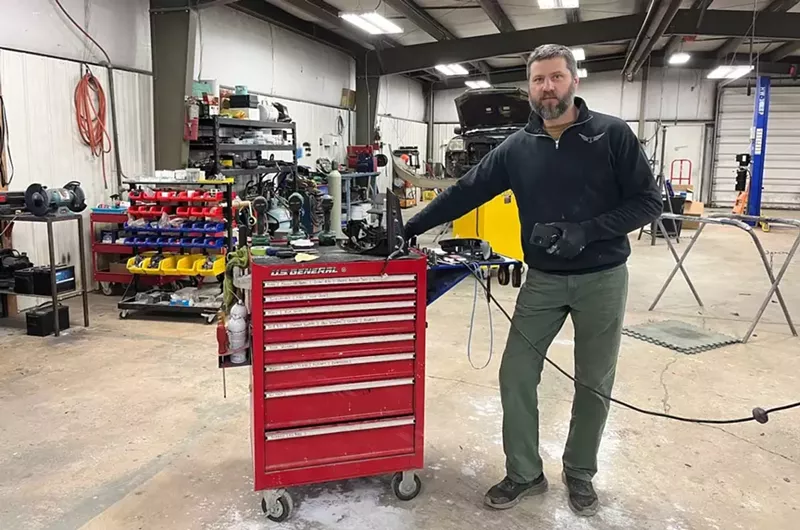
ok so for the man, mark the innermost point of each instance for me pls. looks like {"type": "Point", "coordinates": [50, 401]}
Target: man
{"type": "Point", "coordinates": [585, 174]}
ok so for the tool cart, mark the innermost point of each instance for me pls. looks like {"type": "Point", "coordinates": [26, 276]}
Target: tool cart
{"type": "Point", "coordinates": [338, 372]}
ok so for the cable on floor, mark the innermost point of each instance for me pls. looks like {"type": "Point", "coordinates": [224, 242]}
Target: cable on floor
{"type": "Point", "coordinates": [91, 117]}
{"type": "Point", "coordinates": [758, 414]}
{"type": "Point", "coordinates": [476, 271]}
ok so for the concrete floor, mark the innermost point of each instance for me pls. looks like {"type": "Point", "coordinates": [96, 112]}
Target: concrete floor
{"type": "Point", "coordinates": [124, 425]}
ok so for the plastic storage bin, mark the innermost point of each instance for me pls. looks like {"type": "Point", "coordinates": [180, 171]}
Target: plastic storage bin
{"type": "Point", "coordinates": [185, 265]}
{"type": "Point", "coordinates": [217, 266]}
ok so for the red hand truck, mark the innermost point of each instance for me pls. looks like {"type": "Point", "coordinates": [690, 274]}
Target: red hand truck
{"type": "Point", "coordinates": [338, 373]}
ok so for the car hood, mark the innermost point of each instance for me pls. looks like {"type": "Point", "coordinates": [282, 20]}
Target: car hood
{"type": "Point", "coordinates": [489, 108]}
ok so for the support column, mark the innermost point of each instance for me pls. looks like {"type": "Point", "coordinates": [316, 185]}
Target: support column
{"type": "Point", "coordinates": [367, 83]}
{"type": "Point", "coordinates": [759, 146]}
{"type": "Point", "coordinates": [641, 132]}
{"type": "Point", "coordinates": [429, 114]}
{"type": "Point", "coordinates": [173, 36]}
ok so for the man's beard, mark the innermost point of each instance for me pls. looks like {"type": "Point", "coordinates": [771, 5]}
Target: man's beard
{"type": "Point", "coordinates": [551, 113]}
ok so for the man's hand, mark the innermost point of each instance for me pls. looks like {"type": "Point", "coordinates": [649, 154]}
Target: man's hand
{"type": "Point", "coordinates": [571, 242]}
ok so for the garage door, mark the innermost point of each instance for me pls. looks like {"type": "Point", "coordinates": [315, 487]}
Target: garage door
{"type": "Point", "coordinates": [781, 174]}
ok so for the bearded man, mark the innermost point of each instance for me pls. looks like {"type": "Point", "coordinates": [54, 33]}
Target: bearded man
{"type": "Point", "coordinates": [584, 175]}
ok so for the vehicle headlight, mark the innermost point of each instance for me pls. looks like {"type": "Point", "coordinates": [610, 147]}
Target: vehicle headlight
{"type": "Point", "coordinates": [456, 144]}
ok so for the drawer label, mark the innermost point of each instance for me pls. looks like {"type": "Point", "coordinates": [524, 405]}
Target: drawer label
{"type": "Point", "coordinates": [346, 387]}
{"type": "Point", "coordinates": [340, 308]}
{"type": "Point", "coordinates": [346, 280]}
{"type": "Point", "coordinates": [367, 359]}
{"type": "Point", "coordinates": [353, 427]}
{"type": "Point", "coordinates": [332, 295]}
{"type": "Point", "coordinates": [337, 342]}
{"type": "Point", "coordinates": [349, 321]}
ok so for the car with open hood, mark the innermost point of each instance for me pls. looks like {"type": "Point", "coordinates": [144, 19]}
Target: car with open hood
{"type": "Point", "coordinates": [486, 116]}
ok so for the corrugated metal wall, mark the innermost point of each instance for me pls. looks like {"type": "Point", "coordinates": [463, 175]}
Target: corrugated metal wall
{"type": "Point", "coordinates": [48, 150]}
{"type": "Point", "coordinates": [781, 175]}
{"type": "Point", "coordinates": [395, 133]}
{"type": "Point", "coordinates": [442, 133]}
{"type": "Point", "coordinates": [321, 127]}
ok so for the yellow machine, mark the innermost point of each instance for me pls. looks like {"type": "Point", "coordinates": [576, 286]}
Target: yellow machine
{"type": "Point", "coordinates": [497, 222]}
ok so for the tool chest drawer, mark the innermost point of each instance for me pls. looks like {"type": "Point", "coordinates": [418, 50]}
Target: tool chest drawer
{"type": "Point", "coordinates": [315, 446]}
{"type": "Point", "coordinates": [312, 350]}
{"type": "Point", "coordinates": [317, 405]}
{"type": "Point", "coordinates": [333, 371]}
{"type": "Point", "coordinates": [333, 328]}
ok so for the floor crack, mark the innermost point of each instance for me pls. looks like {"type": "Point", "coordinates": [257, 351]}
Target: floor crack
{"type": "Point", "coordinates": [665, 400]}
{"type": "Point", "coordinates": [770, 451]}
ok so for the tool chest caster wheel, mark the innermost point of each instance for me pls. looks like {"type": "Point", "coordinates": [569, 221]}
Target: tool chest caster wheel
{"type": "Point", "coordinates": [210, 318]}
{"type": "Point", "coordinates": [516, 276]}
{"type": "Point", "coordinates": [278, 506]}
{"type": "Point", "coordinates": [107, 288]}
{"type": "Point", "coordinates": [406, 485]}
{"type": "Point", "coordinates": [123, 314]}
{"type": "Point", "coordinates": [503, 276]}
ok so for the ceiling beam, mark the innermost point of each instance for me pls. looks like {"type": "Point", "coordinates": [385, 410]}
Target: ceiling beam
{"type": "Point", "coordinates": [731, 45]}
{"type": "Point", "coordinates": [656, 20]}
{"type": "Point", "coordinates": [784, 50]}
{"type": "Point", "coordinates": [725, 23]}
{"type": "Point", "coordinates": [495, 12]}
{"type": "Point", "coordinates": [674, 43]}
{"type": "Point", "coordinates": [420, 18]}
{"type": "Point", "coordinates": [615, 63]}
{"type": "Point", "coordinates": [420, 56]}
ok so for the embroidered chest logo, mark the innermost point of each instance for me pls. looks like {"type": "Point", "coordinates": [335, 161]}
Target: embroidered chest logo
{"type": "Point", "coordinates": [591, 139]}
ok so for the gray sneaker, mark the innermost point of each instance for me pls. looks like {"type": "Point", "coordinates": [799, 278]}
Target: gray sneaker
{"type": "Point", "coordinates": [508, 493]}
{"type": "Point", "coordinates": [582, 497]}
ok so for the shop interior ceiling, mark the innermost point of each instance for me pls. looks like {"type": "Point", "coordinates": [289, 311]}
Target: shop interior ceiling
{"type": "Point", "coordinates": [490, 37]}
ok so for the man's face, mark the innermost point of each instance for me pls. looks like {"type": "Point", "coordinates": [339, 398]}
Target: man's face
{"type": "Point", "coordinates": [551, 88]}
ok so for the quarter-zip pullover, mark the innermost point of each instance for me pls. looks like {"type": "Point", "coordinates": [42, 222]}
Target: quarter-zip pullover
{"type": "Point", "coordinates": [596, 174]}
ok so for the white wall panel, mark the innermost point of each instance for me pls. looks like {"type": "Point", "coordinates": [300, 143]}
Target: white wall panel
{"type": "Point", "coordinates": [442, 133]}
{"type": "Point", "coordinates": [315, 123]}
{"type": "Point", "coordinates": [396, 133]}
{"type": "Point", "coordinates": [781, 177]}
{"type": "Point", "coordinates": [401, 97]}
{"type": "Point", "coordinates": [47, 147]}
{"type": "Point", "coordinates": [122, 27]}
{"type": "Point", "coordinates": [237, 49]}
{"type": "Point", "coordinates": [675, 94]}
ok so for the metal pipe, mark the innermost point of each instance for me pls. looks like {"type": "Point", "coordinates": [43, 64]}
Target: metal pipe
{"type": "Point", "coordinates": [114, 127]}
{"type": "Point", "coordinates": [666, 19]}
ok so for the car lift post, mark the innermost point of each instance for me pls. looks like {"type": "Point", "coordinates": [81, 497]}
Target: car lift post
{"type": "Point", "coordinates": [759, 145]}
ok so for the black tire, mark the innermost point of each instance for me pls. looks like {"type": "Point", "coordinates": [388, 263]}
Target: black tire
{"type": "Point", "coordinates": [516, 276]}
{"type": "Point", "coordinates": [503, 276]}
{"type": "Point", "coordinates": [107, 288]}
{"type": "Point", "coordinates": [210, 318]}
{"type": "Point", "coordinates": [397, 478]}
{"type": "Point", "coordinates": [282, 509]}
{"type": "Point", "coordinates": [123, 314]}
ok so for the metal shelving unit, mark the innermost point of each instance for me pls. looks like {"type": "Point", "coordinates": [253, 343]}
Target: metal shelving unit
{"type": "Point", "coordinates": [55, 296]}
{"type": "Point", "coordinates": [219, 146]}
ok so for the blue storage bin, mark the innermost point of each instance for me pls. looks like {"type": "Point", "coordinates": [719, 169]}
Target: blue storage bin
{"type": "Point", "coordinates": [214, 243]}
{"type": "Point", "coordinates": [140, 241]}
{"type": "Point", "coordinates": [186, 242]}
{"type": "Point", "coordinates": [214, 228]}
{"type": "Point", "coordinates": [151, 241]}
{"type": "Point", "coordinates": [130, 241]}
{"type": "Point", "coordinates": [198, 242]}
{"type": "Point", "coordinates": [163, 241]}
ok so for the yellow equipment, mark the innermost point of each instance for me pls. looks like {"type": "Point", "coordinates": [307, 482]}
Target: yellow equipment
{"type": "Point", "coordinates": [497, 222]}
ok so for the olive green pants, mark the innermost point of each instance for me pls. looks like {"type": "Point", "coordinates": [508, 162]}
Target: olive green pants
{"type": "Point", "coordinates": [596, 302]}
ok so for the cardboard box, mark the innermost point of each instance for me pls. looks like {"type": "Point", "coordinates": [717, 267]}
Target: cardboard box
{"type": "Point", "coordinates": [693, 208]}
{"type": "Point", "coordinates": [118, 268]}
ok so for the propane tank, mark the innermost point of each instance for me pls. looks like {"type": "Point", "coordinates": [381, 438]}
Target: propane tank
{"type": "Point", "coordinates": [335, 191]}
{"type": "Point", "coordinates": [237, 332]}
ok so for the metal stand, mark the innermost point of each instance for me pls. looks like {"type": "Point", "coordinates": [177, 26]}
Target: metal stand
{"type": "Point", "coordinates": [739, 221]}
{"type": "Point", "coordinates": [661, 181]}
{"type": "Point", "coordinates": [54, 295]}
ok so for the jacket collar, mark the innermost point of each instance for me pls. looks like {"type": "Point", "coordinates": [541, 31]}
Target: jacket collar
{"type": "Point", "coordinates": [536, 123]}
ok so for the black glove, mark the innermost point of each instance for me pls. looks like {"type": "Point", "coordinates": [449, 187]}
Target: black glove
{"type": "Point", "coordinates": [410, 233]}
{"type": "Point", "coordinates": [571, 242]}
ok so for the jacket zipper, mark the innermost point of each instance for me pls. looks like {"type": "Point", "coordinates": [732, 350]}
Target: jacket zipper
{"type": "Point", "coordinates": [565, 130]}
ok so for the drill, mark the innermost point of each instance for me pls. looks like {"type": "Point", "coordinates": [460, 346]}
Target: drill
{"type": "Point", "coordinates": [327, 237]}
{"type": "Point", "coordinates": [295, 205]}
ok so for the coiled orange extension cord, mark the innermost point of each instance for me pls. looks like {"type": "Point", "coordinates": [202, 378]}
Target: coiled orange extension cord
{"type": "Point", "coordinates": [91, 117]}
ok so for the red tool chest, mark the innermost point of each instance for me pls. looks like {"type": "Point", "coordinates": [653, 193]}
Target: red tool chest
{"type": "Point", "coordinates": [338, 372]}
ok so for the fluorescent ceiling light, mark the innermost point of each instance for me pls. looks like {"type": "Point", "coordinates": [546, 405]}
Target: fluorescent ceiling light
{"type": "Point", "coordinates": [478, 84]}
{"type": "Point", "coordinates": [558, 4]}
{"type": "Point", "coordinates": [679, 58]}
{"type": "Point", "coordinates": [578, 53]}
{"type": "Point", "coordinates": [452, 69]}
{"type": "Point", "coordinates": [730, 72]}
{"type": "Point", "coordinates": [372, 23]}
{"type": "Point", "coordinates": [582, 73]}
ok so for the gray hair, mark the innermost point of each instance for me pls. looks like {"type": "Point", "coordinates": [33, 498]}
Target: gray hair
{"type": "Point", "coordinates": [553, 51]}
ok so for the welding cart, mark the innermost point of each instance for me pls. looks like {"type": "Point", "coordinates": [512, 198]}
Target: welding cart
{"type": "Point", "coordinates": [338, 370]}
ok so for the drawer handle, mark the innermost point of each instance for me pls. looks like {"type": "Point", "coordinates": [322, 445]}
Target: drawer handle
{"type": "Point", "coordinates": [341, 308]}
{"type": "Point", "coordinates": [345, 280]}
{"type": "Point", "coordinates": [332, 295]}
{"type": "Point", "coordinates": [339, 362]}
{"type": "Point", "coordinates": [337, 342]}
{"type": "Point", "coordinates": [347, 321]}
{"type": "Point", "coordinates": [319, 431]}
{"type": "Point", "coordinates": [346, 387]}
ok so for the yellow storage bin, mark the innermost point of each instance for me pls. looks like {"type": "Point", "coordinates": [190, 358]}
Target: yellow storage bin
{"type": "Point", "coordinates": [168, 266]}
{"type": "Point", "coordinates": [185, 264]}
{"type": "Point", "coordinates": [147, 269]}
{"type": "Point", "coordinates": [216, 269]}
{"type": "Point", "coordinates": [132, 268]}
{"type": "Point", "coordinates": [497, 222]}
